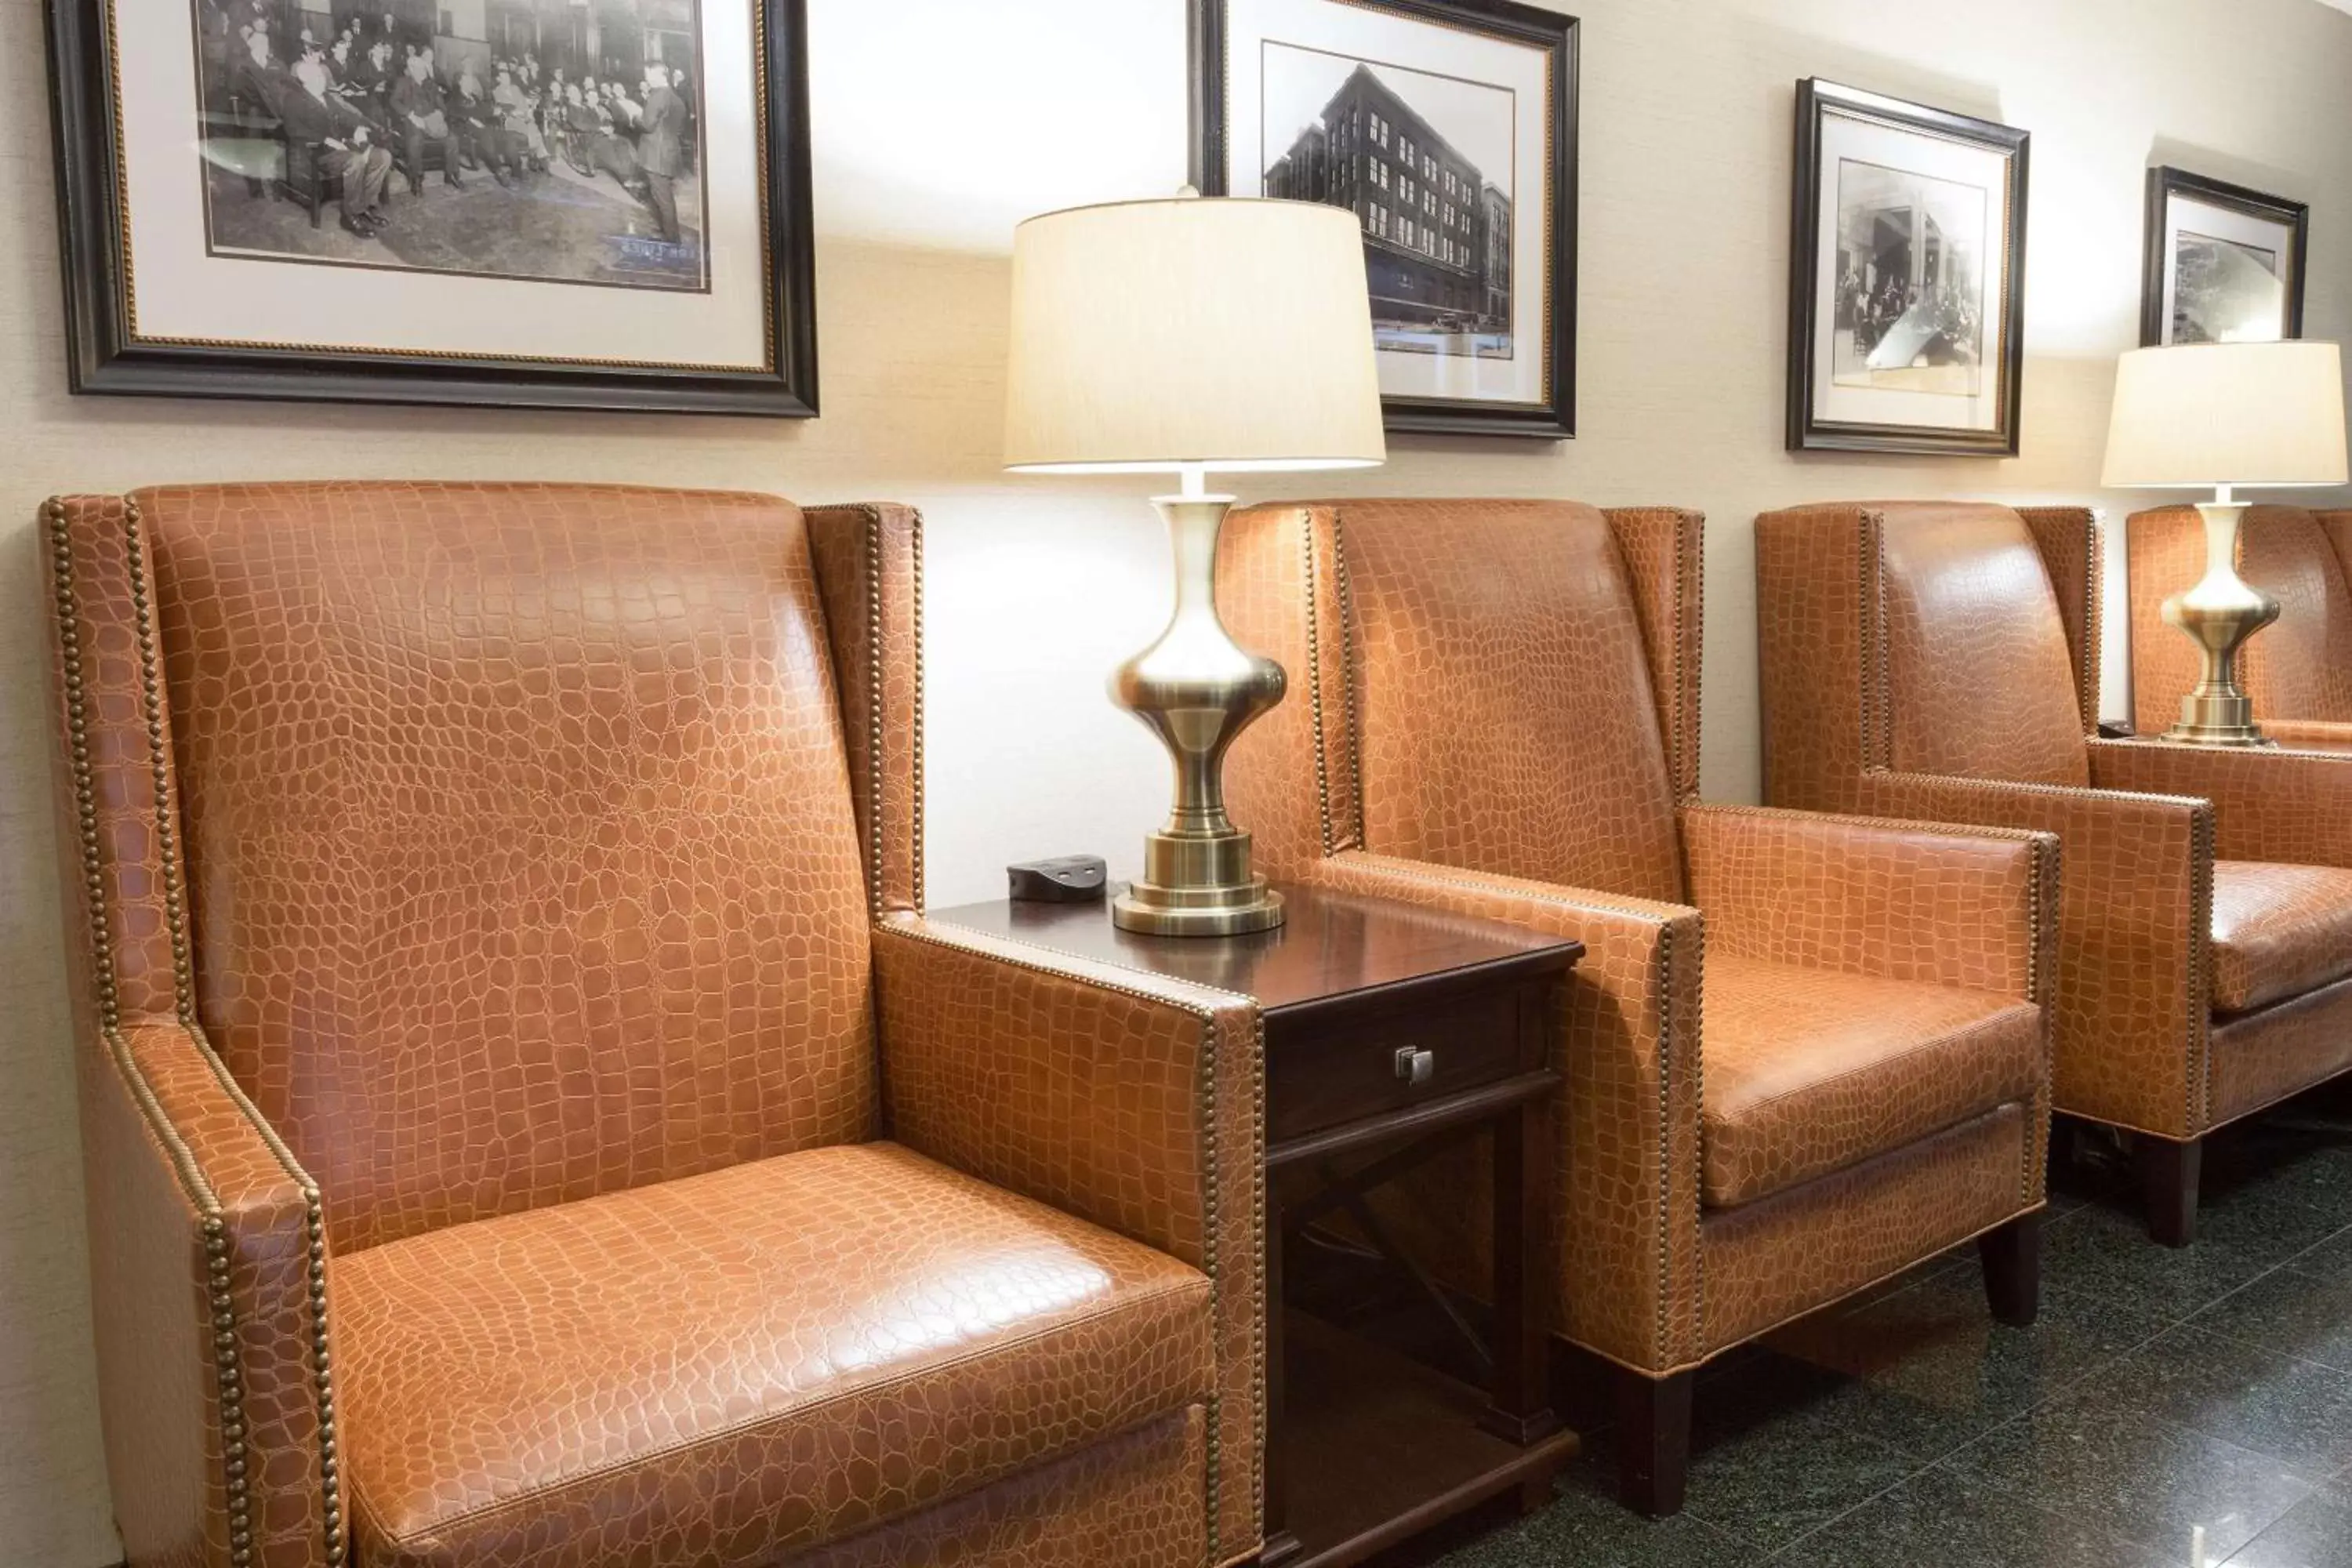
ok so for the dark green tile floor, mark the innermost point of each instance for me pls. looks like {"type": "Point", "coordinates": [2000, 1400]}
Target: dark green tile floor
{"type": "Point", "coordinates": [2171, 1409]}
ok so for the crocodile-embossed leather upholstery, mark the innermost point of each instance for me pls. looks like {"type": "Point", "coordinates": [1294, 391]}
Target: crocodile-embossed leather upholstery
{"type": "Point", "coordinates": [476, 780]}
{"type": "Point", "coordinates": [1493, 711]}
{"type": "Point", "coordinates": [1963, 588]}
{"type": "Point", "coordinates": [2157, 930]}
{"type": "Point", "coordinates": [473, 894]}
{"type": "Point", "coordinates": [1809, 1072]}
{"type": "Point", "coordinates": [2297, 668]}
{"type": "Point", "coordinates": [2278, 931]}
{"type": "Point", "coordinates": [869, 1332]}
{"type": "Point", "coordinates": [2260, 1058]}
{"type": "Point", "coordinates": [1535, 642]}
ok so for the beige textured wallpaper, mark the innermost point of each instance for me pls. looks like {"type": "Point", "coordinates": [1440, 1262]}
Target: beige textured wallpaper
{"type": "Point", "coordinates": [939, 122]}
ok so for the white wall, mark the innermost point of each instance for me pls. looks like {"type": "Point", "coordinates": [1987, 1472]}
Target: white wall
{"type": "Point", "coordinates": [939, 123]}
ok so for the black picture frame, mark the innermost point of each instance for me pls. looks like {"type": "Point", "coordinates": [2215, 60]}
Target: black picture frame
{"type": "Point", "coordinates": [2163, 182]}
{"type": "Point", "coordinates": [1806, 431]}
{"type": "Point", "coordinates": [102, 358]}
{"type": "Point", "coordinates": [1553, 417]}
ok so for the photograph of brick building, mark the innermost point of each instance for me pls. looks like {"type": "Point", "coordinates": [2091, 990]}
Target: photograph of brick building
{"type": "Point", "coordinates": [1387, 145]}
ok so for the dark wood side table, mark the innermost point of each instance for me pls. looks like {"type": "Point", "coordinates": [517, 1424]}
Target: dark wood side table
{"type": "Point", "coordinates": [1391, 1032]}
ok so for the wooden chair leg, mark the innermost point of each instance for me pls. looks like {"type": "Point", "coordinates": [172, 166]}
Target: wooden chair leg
{"type": "Point", "coordinates": [2012, 1270]}
{"type": "Point", "coordinates": [1653, 1433]}
{"type": "Point", "coordinates": [2168, 1175]}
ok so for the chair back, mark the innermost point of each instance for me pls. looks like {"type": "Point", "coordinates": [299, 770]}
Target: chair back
{"type": "Point", "coordinates": [1478, 684]}
{"type": "Point", "coordinates": [511, 825]}
{"type": "Point", "coordinates": [1924, 638]}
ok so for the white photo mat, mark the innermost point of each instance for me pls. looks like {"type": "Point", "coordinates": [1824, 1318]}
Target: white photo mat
{"type": "Point", "coordinates": [1847, 135]}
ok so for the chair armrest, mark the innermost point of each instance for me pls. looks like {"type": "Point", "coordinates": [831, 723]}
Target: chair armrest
{"type": "Point", "coordinates": [2130, 1016]}
{"type": "Point", "coordinates": [2268, 805]}
{"type": "Point", "coordinates": [1972, 907]}
{"type": "Point", "coordinates": [208, 1257]}
{"type": "Point", "coordinates": [1625, 1209]}
{"type": "Point", "coordinates": [1129, 1099]}
{"type": "Point", "coordinates": [2310, 734]}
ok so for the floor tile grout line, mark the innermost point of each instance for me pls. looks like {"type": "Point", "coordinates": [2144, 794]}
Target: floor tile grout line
{"type": "Point", "coordinates": [2097, 1365]}
{"type": "Point", "coordinates": [2310, 1489]}
{"type": "Point", "coordinates": [2264, 1273]}
{"type": "Point", "coordinates": [2196, 1325]}
{"type": "Point", "coordinates": [2325, 1479]}
{"type": "Point", "coordinates": [1907, 1459]}
{"type": "Point", "coordinates": [2284, 1265]}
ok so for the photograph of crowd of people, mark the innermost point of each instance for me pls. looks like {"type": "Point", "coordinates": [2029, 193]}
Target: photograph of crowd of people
{"type": "Point", "coordinates": [1909, 292]}
{"type": "Point", "coordinates": [553, 140]}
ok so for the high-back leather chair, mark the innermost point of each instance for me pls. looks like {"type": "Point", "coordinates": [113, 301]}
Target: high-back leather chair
{"type": "Point", "coordinates": [495, 919]}
{"type": "Point", "coordinates": [2298, 669]}
{"type": "Point", "coordinates": [1940, 661]}
{"type": "Point", "coordinates": [1801, 1052]}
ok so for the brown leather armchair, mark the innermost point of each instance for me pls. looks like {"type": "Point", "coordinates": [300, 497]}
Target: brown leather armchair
{"type": "Point", "coordinates": [496, 919]}
{"type": "Point", "coordinates": [1496, 711]}
{"type": "Point", "coordinates": [2298, 670]}
{"type": "Point", "coordinates": [1940, 661]}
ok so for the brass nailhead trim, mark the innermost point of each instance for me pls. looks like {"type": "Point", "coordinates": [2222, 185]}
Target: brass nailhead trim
{"type": "Point", "coordinates": [2037, 1126]}
{"type": "Point", "coordinates": [2200, 969]}
{"type": "Point", "coordinates": [1210, 1265]}
{"type": "Point", "coordinates": [875, 882]}
{"type": "Point", "coordinates": [1258, 1314]}
{"type": "Point", "coordinates": [1877, 723]}
{"type": "Point", "coordinates": [1315, 674]}
{"type": "Point", "coordinates": [1690, 621]}
{"type": "Point", "coordinates": [877, 672]}
{"type": "Point", "coordinates": [2094, 620]}
{"type": "Point", "coordinates": [1354, 737]}
{"type": "Point", "coordinates": [914, 538]}
{"type": "Point", "coordinates": [1668, 1351]}
{"type": "Point", "coordinates": [227, 1372]}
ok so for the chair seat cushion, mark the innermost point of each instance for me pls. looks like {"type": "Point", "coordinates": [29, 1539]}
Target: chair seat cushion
{"type": "Point", "coordinates": [2278, 931]}
{"type": "Point", "coordinates": [723, 1369]}
{"type": "Point", "coordinates": [1808, 1071]}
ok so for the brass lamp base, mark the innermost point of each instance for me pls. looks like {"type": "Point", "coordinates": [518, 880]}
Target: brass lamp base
{"type": "Point", "coordinates": [2218, 615]}
{"type": "Point", "coordinates": [1196, 689]}
{"type": "Point", "coordinates": [2217, 720]}
{"type": "Point", "coordinates": [1197, 885]}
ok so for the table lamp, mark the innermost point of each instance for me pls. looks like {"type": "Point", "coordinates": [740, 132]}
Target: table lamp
{"type": "Point", "coordinates": [1185, 336]}
{"type": "Point", "coordinates": [2235, 417]}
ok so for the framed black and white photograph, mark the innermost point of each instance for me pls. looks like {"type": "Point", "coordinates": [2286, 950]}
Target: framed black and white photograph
{"type": "Point", "coordinates": [1906, 277]}
{"type": "Point", "coordinates": [2224, 263]}
{"type": "Point", "coordinates": [585, 204]}
{"type": "Point", "coordinates": [1448, 127]}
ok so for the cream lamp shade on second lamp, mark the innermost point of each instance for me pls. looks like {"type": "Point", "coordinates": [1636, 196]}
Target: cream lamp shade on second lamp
{"type": "Point", "coordinates": [2232, 417]}
{"type": "Point", "coordinates": [1185, 336]}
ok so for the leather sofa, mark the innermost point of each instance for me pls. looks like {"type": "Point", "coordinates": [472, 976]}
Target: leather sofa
{"type": "Point", "coordinates": [1802, 1053]}
{"type": "Point", "coordinates": [2298, 670]}
{"type": "Point", "coordinates": [496, 919]}
{"type": "Point", "coordinates": [1940, 661]}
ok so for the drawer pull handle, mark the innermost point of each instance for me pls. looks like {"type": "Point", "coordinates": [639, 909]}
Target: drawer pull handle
{"type": "Point", "coordinates": [1415, 1064]}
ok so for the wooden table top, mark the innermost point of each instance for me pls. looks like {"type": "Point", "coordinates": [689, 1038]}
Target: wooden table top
{"type": "Point", "coordinates": [1331, 945]}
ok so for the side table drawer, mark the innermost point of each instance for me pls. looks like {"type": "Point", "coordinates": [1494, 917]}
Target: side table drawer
{"type": "Point", "coordinates": [1394, 1061]}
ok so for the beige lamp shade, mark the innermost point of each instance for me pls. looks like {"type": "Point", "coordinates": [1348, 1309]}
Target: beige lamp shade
{"type": "Point", "coordinates": [1232, 334]}
{"type": "Point", "coordinates": [2200, 415]}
